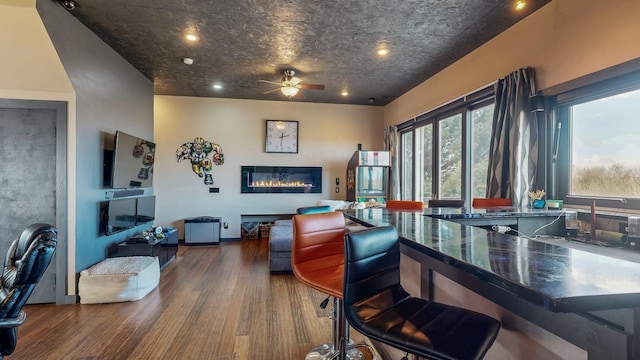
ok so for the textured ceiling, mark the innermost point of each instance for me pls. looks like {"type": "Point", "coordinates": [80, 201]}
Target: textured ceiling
{"type": "Point", "coordinates": [329, 42]}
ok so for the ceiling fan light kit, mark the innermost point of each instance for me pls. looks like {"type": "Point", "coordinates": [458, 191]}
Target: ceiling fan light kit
{"type": "Point", "coordinates": [291, 85]}
{"type": "Point", "coordinates": [289, 91]}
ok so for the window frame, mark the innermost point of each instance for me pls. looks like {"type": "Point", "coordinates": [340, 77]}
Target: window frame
{"type": "Point", "coordinates": [462, 106]}
{"type": "Point", "coordinates": [560, 173]}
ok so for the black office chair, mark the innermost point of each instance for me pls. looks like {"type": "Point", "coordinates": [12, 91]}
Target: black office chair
{"type": "Point", "coordinates": [26, 261]}
{"type": "Point", "coordinates": [377, 306]}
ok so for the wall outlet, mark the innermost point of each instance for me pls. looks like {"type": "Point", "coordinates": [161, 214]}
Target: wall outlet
{"type": "Point", "coordinates": [214, 190]}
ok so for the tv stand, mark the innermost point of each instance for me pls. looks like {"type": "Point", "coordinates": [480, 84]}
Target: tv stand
{"type": "Point", "coordinates": [165, 249]}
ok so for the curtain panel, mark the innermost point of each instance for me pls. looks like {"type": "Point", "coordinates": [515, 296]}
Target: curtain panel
{"type": "Point", "coordinates": [513, 156]}
{"type": "Point", "coordinates": [392, 144]}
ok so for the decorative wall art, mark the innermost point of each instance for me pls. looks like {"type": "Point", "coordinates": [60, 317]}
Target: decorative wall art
{"type": "Point", "coordinates": [198, 152]}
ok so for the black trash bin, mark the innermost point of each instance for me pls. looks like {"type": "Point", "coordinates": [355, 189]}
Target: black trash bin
{"type": "Point", "coordinates": [202, 230]}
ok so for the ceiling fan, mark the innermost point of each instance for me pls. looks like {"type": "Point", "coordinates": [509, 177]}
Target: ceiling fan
{"type": "Point", "coordinates": [290, 85]}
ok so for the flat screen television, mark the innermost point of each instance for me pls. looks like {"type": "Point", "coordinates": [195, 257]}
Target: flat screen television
{"type": "Point", "coordinates": [145, 210]}
{"type": "Point", "coordinates": [123, 214]}
{"type": "Point", "coordinates": [132, 165]}
{"type": "Point", "coordinates": [117, 215]}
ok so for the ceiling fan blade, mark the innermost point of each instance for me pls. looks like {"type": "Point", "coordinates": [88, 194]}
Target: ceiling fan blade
{"type": "Point", "coordinates": [271, 82]}
{"type": "Point", "coordinates": [310, 87]}
{"type": "Point", "coordinates": [270, 91]}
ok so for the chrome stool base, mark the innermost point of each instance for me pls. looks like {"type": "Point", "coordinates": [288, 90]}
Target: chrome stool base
{"type": "Point", "coordinates": [329, 352]}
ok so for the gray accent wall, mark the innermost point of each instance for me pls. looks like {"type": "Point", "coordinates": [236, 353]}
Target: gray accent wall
{"type": "Point", "coordinates": [111, 95]}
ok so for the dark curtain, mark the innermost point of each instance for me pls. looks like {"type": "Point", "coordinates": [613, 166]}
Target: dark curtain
{"type": "Point", "coordinates": [513, 157]}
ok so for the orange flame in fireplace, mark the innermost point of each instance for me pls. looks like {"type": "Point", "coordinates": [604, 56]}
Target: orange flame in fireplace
{"type": "Point", "coordinates": [272, 183]}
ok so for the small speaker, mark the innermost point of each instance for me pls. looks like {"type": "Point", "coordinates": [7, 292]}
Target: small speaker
{"type": "Point", "coordinates": [123, 193]}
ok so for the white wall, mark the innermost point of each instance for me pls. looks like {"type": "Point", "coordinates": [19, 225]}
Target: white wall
{"type": "Point", "coordinates": [329, 134]}
{"type": "Point", "coordinates": [563, 40]}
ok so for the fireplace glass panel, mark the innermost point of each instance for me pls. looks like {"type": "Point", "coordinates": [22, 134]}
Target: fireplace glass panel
{"type": "Point", "coordinates": [281, 179]}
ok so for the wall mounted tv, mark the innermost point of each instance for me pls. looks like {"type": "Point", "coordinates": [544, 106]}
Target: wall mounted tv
{"type": "Point", "coordinates": [123, 214]}
{"type": "Point", "coordinates": [133, 159]}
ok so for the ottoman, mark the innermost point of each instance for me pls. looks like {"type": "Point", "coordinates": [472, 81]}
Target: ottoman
{"type": "Point", "coordinates": [119, 279]}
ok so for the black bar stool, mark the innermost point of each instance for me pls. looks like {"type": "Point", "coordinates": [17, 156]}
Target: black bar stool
{"type": "Point", "coordinates": [377, 306]}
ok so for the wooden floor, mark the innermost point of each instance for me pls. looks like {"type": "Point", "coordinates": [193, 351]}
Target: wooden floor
{"type": "Point", "coordinates": [213, 302]}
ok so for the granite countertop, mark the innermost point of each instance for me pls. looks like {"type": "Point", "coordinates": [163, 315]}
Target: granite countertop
{"type": "Point", "coordinates": [557, 276]}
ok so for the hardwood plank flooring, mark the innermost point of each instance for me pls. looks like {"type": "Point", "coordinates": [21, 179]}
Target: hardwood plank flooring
{"type": "Point", "coordinates": [214, 302]}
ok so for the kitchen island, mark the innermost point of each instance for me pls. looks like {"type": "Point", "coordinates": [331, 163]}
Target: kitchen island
{"type": "Point", "coordinates": [554, 300]}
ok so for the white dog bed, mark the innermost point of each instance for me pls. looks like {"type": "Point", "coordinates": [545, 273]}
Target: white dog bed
{"type": "Point", "coordinates": [119, 279]}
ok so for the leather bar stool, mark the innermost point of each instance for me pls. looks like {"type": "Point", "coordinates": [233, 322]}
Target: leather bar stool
{"type": "Point", "coordinates": [317, 260]}
{"type": "Point", "coordinates": [377, 306]}
{"type": "Point", "coordinates": [404, 205]}
{"type": "Point", "coordinates": [482, 203]}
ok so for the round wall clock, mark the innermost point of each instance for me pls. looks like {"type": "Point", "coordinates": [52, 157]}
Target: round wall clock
{"type": "Point", "coordinates": [282, 136]}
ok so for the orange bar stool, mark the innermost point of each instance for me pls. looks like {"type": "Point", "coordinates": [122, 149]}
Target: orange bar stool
{"type": "Point", "coordinates": [490, 202]}
{"type": "Point", "coordinates": [317, 260]}
{"type": "Point", "coordinates": [405, 205]}
{"type": "Point", "coordinates": [377, 306]}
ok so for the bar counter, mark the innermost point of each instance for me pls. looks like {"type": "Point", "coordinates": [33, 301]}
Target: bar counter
{"type": "Point", "coordinates": [585, 298]}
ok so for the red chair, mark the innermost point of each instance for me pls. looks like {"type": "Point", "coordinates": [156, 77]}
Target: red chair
{"type": "Point", "coordinates": [405, 205]}
{"type": "Point", "coordinates": [490, 202]}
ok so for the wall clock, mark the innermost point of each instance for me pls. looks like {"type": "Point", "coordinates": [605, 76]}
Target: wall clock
{"type": "Point", "coordinates": [282, 136]}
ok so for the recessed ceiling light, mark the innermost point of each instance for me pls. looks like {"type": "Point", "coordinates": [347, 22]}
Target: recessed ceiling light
{"type": "Point", "coordinates": [383, 51]}
{"type": "Point", "coordinates": [344, 93]}
{"type": "Point", "coordinates": [188, 61]}
{"type": "Point", "coordinates": [520, 4]}
{"type": "Point", "coordinates": [217, 86]}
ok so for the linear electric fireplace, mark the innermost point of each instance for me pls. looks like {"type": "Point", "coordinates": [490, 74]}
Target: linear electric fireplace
{"type": "Point", "coordinates": [281, 179]}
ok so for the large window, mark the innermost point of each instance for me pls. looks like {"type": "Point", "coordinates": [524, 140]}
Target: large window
{"type": "Point", "coordinates": [406, 177]}
{"type": "Point", "coordinates": [481, 120]}
{"type": "Point", "coordinates": [424, 162]}
{"type": "Point", "coordinates": [450, 136]}
{"type": "Point", "coordinates": [449, 147]}
{"type": "Point", "coordinates": [599, 144]}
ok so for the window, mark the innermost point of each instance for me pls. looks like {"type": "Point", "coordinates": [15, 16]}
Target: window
{"type": "Point", "coordinates": [481, 121]}
{"type": "Point", "coordinates": [449, 147]}
{"type": "Point", "coordinates": [406, 178]}
{"type": "Point", "coordinates": [424, 158]}
{"type": "Point", "coordinates": [599, 144]}
{"type": "Point", "coordinates": [450, 136]}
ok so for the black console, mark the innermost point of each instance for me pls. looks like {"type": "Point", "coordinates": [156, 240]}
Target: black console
{"type": "Point", "coordinates": [165, 249]}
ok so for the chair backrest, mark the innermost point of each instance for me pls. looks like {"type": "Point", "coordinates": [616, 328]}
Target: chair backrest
{"type": "Point", "coordinates": [372, 266]}
{"type": "Point", "coordinates": [318, 243]}
{"type": "Point", "coordinates": [313, 209]}
{"type": "Point", "coordinates": [436, 203]}
{"type": "Point", "coordinates": [405, 205]}
{"type": "Point", "coordinates": [27, 259]}
{"type": "Point", "coordinates": [490, 202]}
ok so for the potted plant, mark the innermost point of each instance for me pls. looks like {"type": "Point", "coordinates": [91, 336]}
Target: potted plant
{"type": "Point", "coordinates": [536, 199]}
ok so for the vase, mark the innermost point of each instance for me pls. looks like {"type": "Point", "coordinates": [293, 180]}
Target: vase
{"type": "Point", "coordinates": [538, 204]}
